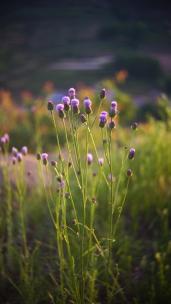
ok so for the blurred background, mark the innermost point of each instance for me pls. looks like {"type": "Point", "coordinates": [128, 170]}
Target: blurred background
{"type": "Point", "coordinates": [49, 46]}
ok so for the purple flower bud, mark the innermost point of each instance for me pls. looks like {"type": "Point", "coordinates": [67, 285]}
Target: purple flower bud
{"type": "Point", "coordinates": [103, 93]}
{"type": "Point", "coordinates": [53, 163]}
{"type": "Point", "coordinates": [14, 160]}
{"type": "Point", "coordinates": [44, 157]}
{"type": "Point", "coordinates": [71, 93]}
{"type": "Point", "coordinates": [89, 158]}
{"type": "Point", "coordinates": [19, 157]}
{"type": "Point", "coordinates": [2, 140]}
{"type": "Point", "coordinates": [24, 150]}
{"type": "Point", "coordinates": [7, 138]}
{"type": "Point", "coordinates": [66, 102]}
{"type": "Point", "coordinates": [131, 153]}
{"type": "Point", "coordinates": [74, 105]}
{"type": "Point", "coordinates": [14, 151]}
{"type": "Point", "coordinates": [113, 109]}
{"type": "Point", "coordinates": [114, 105]}
{"type": "Point", "coordinates": [60, 110]}
{"type": "Point", "coordinates": [129, 172]}
{"type": "Point", "coordinates": [111, 125]}
{"type": "Point", "coordinates": [87, 105]}
{"type": "Point", "coordinates": [50, 105]}
{"type": "Point", "coordinates": [102, 119]}
{"type": "Point", "coordinates": [101, 161]}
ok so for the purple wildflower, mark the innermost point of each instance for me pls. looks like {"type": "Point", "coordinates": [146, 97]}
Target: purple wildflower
{"type": "Point", "coordinates": [89, 158]}
{"type": "Point", "coordinates": [102, 119]}
{"type": "Point", "coordinates": [66, 102]}
{"type": "Point", "coordinates": [71, 93]}
{"type": "Point", "coordinates": [75, 105]}
{"type": "Point", "coordinates": [7, 138]}
{"type": "Point", "coordinates": [19, 157]}
{"type": "Point", "coordinates": [111, 125]}
{"type": "Point", "coordinates": [87, 105]}
{"type": "Point", "coordinates": [24, 150]}
{"type": "Point", "coordinates": [131, 153]}
{"type": "Point", "coordinates": [101, 161]}
{"type": "Point", "coordinates": [2, 140]}
{"type": "Point", "coordinates": [113, 109]}
{"type": "Point", "coordinates": [129, 172]}
{"type": "Point", "coordinates": [60, 110]}
{"type": "Point", "coordinates": [14, 160]}
{"type": "Point", "coordinates": [44, 157]}
{"type": "Point", "coordinates": [14, 151]}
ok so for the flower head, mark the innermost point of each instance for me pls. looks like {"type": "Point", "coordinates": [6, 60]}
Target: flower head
{"type": "Point", "coordinates": [87, 105]}
{"type": "Point", "coordinates": [6, 137]}
{"type": "Point", "coordinates": [129, 173]}
{"type": "Point", "coordinates": [71, 93]}
{"type": "Point", "coordinates": [89, 158]}
{"type": "Point", "coordinates": [60, 110]}
{"type": "Point", "coordinates": [19, 156]}
{"type": "Point", "coordinates": [103, 119]}
{"type": "Point", "coordinates": [66, 102]}
{"type": "Point", "coordinates": [14, 159]}
{"type": "Point", "coordinates": [44, 157]}
{"type": "Point", "coordinates": [14, 151]}
{"type": "Point", "coordinates": [113, 109]}
{"type": "Point", "coordinates": [24, 150]}
{"type": "Point", "coordinates": [131, 153]}
{"type": "Point", "coordinates": [101, 161]}
{"type": "Point", "coordinates": [75, 105]}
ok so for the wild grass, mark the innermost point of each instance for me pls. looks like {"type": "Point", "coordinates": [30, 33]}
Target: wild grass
{"type": "Point", "coordinates": [71, 238]}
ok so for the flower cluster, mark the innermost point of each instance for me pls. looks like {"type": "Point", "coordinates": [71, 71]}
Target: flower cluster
{"type": "Point", "coordinates": [113, 111]}
{"type": "Point", "coordinates": [18, 155]}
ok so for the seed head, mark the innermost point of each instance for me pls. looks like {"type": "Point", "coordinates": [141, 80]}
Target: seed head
{"type": "Point", "coordinates": [103, 93]}
{"type": "Point", "coordinates": [50, 105]}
